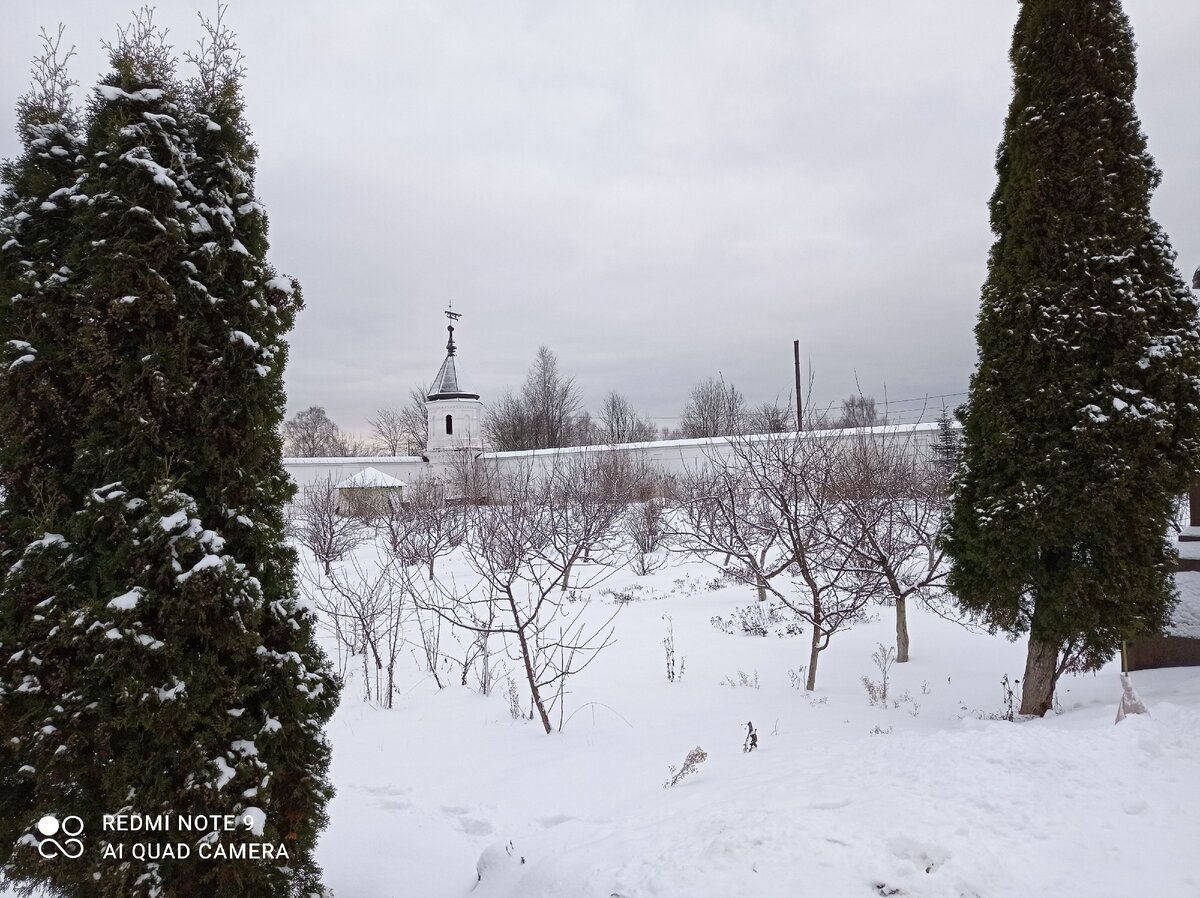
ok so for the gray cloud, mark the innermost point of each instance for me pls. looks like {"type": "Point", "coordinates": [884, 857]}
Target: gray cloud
{"type": "Point", "coordinates": [656, 191]}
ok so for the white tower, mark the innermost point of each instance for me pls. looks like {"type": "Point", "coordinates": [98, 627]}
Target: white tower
{"type": "Point", "coordinates": [454, 415]}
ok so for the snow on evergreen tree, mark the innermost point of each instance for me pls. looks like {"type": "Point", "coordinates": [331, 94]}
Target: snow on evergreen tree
{"type": "Point", "coordinates": [1081, 423]}
{"type": "Point", "coordinates": [161, 663]}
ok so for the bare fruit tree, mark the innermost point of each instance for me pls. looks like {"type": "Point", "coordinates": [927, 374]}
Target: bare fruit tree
{"type": "Point", "coordinates": [774, 507]}
{"type": "Point", "coordinates": [424, 527]}
{"type": "Point", "coordinates": [524, 549]}
{"type": "Point", "coordinates": [894, 497]}
{"type": "Point", "coordinates": [317, 523]}
{"type": "Point", "coordinates": [364, 606]}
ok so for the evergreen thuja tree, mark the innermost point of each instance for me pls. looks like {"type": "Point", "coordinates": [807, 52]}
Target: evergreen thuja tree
{"type": "Point", "coordinates": [1081, 424]}
{"type": "Point", "coordinates": [39, 404]}
{"type": "Point", "coordinates": [167, 668]}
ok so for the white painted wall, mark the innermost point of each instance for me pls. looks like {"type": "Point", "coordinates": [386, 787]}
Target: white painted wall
{"type": "Point", "coordinates": [670, 456]}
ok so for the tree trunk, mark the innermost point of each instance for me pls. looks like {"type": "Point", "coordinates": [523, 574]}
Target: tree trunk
{"type": "Point", "coordinates": [1041, 674]}
{"type": "Point", "coordinates": [762, 584]}
{"type": "Point", "coordinates": [813, 654]}
{"type": "Point", "coordinates": [534, 692]}
{"type": "Point", "coordinates": [901, 629]}
{"type": "Point", "coordinates": [566, 576]}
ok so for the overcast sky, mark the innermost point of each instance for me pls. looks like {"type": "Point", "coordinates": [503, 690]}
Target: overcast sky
{"type": "Point", "coordinates": [657, 191]}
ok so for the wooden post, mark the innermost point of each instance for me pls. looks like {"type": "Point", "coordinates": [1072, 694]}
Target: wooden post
{"type": "Point", "coordinates": [799, 401]}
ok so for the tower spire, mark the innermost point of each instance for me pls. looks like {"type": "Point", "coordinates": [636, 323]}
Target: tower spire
{"type": "Point", "coordinates": [453, 316]}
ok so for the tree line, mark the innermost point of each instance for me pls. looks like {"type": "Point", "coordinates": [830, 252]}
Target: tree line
{"type": "Point", "coordinates": [547, 412]}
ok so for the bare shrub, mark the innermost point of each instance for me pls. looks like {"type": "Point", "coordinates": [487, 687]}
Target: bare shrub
{"type": "Point", "coordinates": [877, 690]}
{"type": "Point", "coordinates": [644, 526]}
{"type": "Point", "coordinates": [365, 608]}
{"type": "Point", "coordinates": [691, 764]}
{"type": "Point", "coordinates": [673, 673]}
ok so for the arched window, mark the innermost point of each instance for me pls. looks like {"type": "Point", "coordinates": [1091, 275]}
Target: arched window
{"type": "Point", "coordinates": [449, 424]}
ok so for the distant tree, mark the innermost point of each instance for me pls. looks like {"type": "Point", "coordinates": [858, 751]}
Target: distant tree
{"type": "Point", "coordinates": [860, 411]}
{"type": "Point", "coordinates": [771, 417]}
{"type": "Point", "coordinates": [403, 431]}
{"type": "Point", "coordinates": [1083, 419]}
{"type": "Point", "coordinates": [552, 399]}
{"type": "Point", "coordinates": [312, 434]}
{"type": "Point", "coordinates": [508, 426]}
{"type": "Point", "coordinates": [620, 422]}
{"type": "Point", "coordinates": [715, 409]}
{"type": "Point", "coordinates": [545, 415]}
{"type": "Point", "coordinates": [947, 447]}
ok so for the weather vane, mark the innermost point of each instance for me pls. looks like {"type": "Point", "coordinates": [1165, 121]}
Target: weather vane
{"type": "Point", "coordinates": [451, 314]}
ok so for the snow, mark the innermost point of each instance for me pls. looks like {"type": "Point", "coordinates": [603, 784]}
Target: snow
{"type": "Point", "coordinates": [127, 601]}
{"type": "Point", "coordinates": [207, 562]}
{"type": "Point", "coordinates": [145, 95]}
{"type": "Point", "coordinates": [931, 798]}
{"type": "Point", "coordinates": [225, 774]}
{"type": "Point", "coordinates": [258, 819]}
{"type": "Point", "coordinates": [370, 478]}
{"type": "Point", "coordinates": [280, 283]}
{"type": "Point", "coordinates": [1186, 619]}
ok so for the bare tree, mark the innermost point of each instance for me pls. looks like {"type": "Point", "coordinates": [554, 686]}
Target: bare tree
{"type": "Point", "coordinates": [524, 549]}
{"type": "Point", "coordinates": [544, 416]}
{"type": "Point", "coordinates": [312, 434]}
{"type": "Point", "coordinates": [775, 508]}
{"type": "Point", "coordinates": [894, 498]}
{"type": "Point", "coordinates": [50, 100]}
{"type": "Point", "coordinates": [424, 527]}
{"type": "Point", "coordinates": [714, 409]}
{"type": "Point", "coordinates": [552, 399]}
{"type": "Point", "coordinates": [860, 411]}
{"type": "Point", "coordinates": [771, 417]}
{"type": "Point", "coordinates": [403, 431]}
{"type": "Point", "coordinates": [365, 608]}
{"type": "Point", "coordinates": [620, 422]}
{"type": "Point", "coordinates": [317, 523]}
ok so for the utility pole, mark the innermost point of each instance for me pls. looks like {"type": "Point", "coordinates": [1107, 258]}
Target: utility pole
{"type": "Point", "coordinates": [799, 401]}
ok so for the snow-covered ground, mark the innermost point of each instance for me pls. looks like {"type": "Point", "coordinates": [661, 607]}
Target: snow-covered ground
{"type": "Point", "coordinates": [932, 798]}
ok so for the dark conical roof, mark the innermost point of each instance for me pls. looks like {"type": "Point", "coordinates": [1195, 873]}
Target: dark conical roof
{"type": "Point", "coordinates": [447, 385]}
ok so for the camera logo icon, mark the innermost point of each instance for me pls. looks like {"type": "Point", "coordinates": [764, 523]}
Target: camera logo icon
{"type": "Point", "coordinates": [71, 827]}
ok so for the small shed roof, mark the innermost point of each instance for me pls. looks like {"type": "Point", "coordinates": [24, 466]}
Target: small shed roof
{"type": "Point", "coordinates": [371, 478]}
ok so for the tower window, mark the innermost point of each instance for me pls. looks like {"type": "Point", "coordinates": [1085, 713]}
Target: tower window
{"type": "Point", "coordinates": [449, 424]}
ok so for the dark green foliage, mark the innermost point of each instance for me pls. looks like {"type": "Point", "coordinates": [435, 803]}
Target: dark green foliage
{"type": "Point", "coordinates": [1082, 420]}
{"type": "Point", "coordinates": [160, 662]}
{"type": "Point", "coordinates": [39, 406]}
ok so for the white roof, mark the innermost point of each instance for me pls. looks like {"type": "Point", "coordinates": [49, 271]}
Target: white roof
{"type": "Point", "coordinates": [370, 478]}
